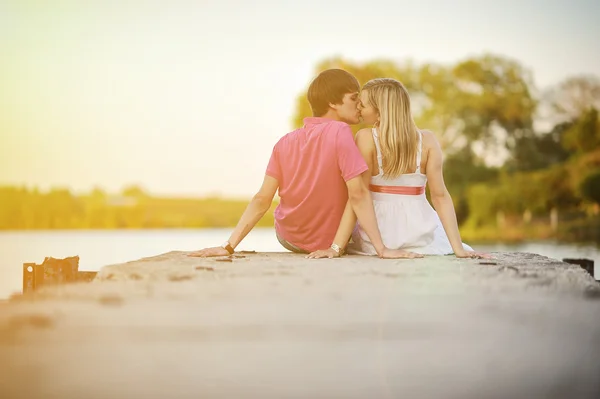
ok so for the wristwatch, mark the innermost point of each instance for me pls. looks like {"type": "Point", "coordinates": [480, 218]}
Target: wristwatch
{"type": "Point", "coordinates": [227, 246]}
{"type": "Point", "coordinates": [339, 250]}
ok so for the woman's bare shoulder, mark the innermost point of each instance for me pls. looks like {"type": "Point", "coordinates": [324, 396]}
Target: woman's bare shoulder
{"type": "Point", "coordinates": [429, 139]}
{"type": "Point", "coordinates": [364, 132]}
{"type": "Point", "coordinates": [364, 138]}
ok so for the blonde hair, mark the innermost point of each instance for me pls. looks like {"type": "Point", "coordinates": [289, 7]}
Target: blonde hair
{"type": "Point", "coordinates": [398, 136]}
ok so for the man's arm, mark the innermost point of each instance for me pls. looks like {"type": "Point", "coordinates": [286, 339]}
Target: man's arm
{"type": "Point", "coordinates": [350, 158]}
{"type": "Point", "coordinates": [352, 166]}
{"type": "Point", "coordinates": [360, 202]}
{"type": "Point", "coordinates": [366, 146]}
{"type": "Point", "coordinates": [360, 199]}
{"type": "Point", "coordinates": [258, 206]}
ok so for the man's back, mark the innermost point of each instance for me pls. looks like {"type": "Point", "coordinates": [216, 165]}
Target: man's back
{"type": "Point", "coordinates": [312, 165]}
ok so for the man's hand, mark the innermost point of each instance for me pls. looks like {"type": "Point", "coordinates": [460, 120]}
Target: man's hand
{"type": "Point", "coordinates": [472, 255]}
{"type": "Point", "coordinates": [323, 253]}
{"type": "Point", "coordinates": [398, 254]}
{"type": "Point", "coordinates": [206, 252]}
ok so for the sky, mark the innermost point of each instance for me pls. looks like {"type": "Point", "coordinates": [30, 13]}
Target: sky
{"type": "Point", "coordinates": [187, 98]}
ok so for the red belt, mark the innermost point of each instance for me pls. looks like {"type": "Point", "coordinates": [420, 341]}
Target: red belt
{"type": "Point", "coordinates": [404, 190]}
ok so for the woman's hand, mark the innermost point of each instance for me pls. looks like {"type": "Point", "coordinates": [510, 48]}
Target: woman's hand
{"type": "Point", "coordinates": [206, 252]}
{"type": "Point", "coordinates": [386, 254]}
{"type": "Point", "coordinates": [399, 254]}
{"type": "Point", "coordinates": [472, 255]}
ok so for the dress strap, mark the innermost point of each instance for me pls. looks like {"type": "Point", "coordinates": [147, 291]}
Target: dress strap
{"type": "Point", "coordinates": [419, 151]}
{"type": "Point", "coordinates": [379, 159]}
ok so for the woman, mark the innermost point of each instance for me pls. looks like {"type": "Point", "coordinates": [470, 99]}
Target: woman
{"type": "Point", "coordinates": [401, 160]}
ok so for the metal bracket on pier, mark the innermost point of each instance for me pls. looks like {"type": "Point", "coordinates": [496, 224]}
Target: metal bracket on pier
{"type": "Point", "coordinates": [53, 271]}
{"type": "Point", "coordinates": [586, 264]}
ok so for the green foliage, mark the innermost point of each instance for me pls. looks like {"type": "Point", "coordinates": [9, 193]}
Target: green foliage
{"type": "Point", "coordinates": [475, 107]}
{"type": "Point", "coordinates": [539, 151]}
{"type": "Point", "coordinates": [483, 105]}
{"type": "Point", "coordinates": [514, 193]}
{"type": "Point", "coordinates": [134, 192]}
{"type": "Point", "coordinates": [462, 170]}
{"type": "Point", "coordinates": [584, 134]}
{"type": "Point", "coordinates": [363, 72]}
{"type": "Point", "coordinates": [581, 230]}
{"type": "Point", "coordinates": [574, 96]}
{"type": "Point", "coordinates": [493, 89]}
{"type": "Point", "coordinates": [462, 104]}
{"type": "Point", "coordinates": [590, 186]}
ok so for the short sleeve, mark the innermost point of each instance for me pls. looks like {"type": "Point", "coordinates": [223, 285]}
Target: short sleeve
{"type": "Point", "coordinates": [350, 161]}
{"type": "Point", "coordinates": [274, 168]}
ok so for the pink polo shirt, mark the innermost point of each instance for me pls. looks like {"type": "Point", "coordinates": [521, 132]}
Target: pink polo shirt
{"type": "Point", "coordinates": [312, 165]}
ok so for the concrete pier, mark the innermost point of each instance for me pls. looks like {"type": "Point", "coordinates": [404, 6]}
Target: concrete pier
{"type": "Point", "coordinates": [277, 325]}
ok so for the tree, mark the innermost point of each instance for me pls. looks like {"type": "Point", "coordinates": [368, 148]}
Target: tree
{"type": "Point", "coordinates": [462, 104]}
{"type": "Point", "coordinates": [539, 151]}
{"type": "Point", "coordinates": [584, 134]}
{"type": "Point", "coordinates": [574, 96]}
{"type": "Point", "coordinates": [462, 170]}
{"type": "Point", "coordinates": [495, 102]}
{"type": "Point", "coordinates": [134, 192]}
{"type": "Point", "coordinates": [406, 73]}
{"type": "Point", "coordinates": [438, 107]}
{"type": "Point", "coordinates": [590, 186]}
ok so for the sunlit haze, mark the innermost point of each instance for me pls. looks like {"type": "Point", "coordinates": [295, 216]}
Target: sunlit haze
{"type": "Point", "coordinates": [188, 98]}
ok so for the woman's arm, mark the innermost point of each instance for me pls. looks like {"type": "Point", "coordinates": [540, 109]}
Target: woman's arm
{"type": "Point", "coordinates": [256, 209]}
{"type": "Point", "coordinates": [441, 199]}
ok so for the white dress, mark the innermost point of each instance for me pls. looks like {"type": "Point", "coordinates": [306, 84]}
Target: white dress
{"type": "Point", "coordinates": [405, 221]}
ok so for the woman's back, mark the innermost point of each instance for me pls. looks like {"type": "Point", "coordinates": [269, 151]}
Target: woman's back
{"type": "Point", "coordinates": [413, 179]}
{"type": "Point", "coordinates": [405, 218]}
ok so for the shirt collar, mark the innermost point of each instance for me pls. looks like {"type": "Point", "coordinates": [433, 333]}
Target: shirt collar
{"type": "Point", "coordinates": [315, 120]}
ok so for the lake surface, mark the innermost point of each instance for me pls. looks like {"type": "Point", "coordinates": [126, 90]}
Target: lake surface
{"type": "Point", "coordinates": [97, 248]}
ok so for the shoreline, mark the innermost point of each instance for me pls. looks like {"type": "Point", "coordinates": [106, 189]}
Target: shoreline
{"type": "Point", "coordinates": [483, 234]}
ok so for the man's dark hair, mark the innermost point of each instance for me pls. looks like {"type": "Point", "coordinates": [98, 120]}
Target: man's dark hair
{"type": "Point", "coordinates": [329, 87]}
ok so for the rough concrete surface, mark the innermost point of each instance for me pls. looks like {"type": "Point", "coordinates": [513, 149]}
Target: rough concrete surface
{"type": "Point", "coordinates": [277, 325]}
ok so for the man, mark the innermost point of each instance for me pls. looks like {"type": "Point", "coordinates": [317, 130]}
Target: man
{"type": "Point", "coordinates": [317, 170]}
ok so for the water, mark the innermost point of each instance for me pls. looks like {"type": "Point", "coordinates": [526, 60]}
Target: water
{"type": "Point", "coordinates": [98, 248]}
